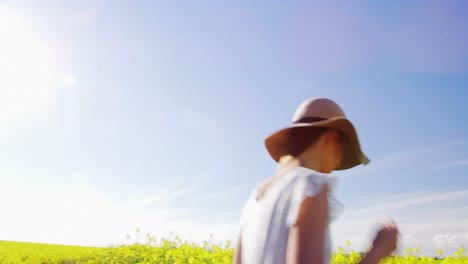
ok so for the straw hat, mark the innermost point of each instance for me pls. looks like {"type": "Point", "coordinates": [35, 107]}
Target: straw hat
{"type": "Point", "coordinates": [319, 112]}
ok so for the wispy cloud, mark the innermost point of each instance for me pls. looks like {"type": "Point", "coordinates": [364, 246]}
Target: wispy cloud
{"type": "Point", "coordinates": [424, 219]}
{"type": "Point", "coordinates": [392, 198]}
{"type": "Point", "coordinates": [166, 194]}
{"type": "Point", "coordinates": [410, 200]}
{"type": "Point", "coordinates": [450, 164]}
{"type": "Point", "coordinates": [76, 212]}
{"type": "Point", "coordinates": [445, 238]}
{"type": "Point", "coordinates": [419, 159]}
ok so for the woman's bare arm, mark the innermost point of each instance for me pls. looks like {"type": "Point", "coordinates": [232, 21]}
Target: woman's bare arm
{"type": "Point", "coordinates": [306, 237]}
{"type": "Point", "coordinates": [238, 252]}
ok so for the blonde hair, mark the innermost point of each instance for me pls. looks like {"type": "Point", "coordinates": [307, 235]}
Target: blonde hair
{"type": "Point", "coordinates": [285, 160]}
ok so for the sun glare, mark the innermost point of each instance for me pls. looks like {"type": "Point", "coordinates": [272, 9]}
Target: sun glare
{"type": "Point", "coordinates": [27, 73]}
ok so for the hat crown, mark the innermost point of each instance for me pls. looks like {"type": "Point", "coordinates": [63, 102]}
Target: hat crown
{"type": "Point", "coordinates": [318, 107]}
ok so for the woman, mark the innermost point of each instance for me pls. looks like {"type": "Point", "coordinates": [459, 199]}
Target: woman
{"type": "Point", "coordinates": [286, 219]}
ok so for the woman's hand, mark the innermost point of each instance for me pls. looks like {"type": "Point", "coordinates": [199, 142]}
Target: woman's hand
{"type": "Point", "coordinates": [383, 245]}
{"type": "Point", "coordinates": [385, 241]}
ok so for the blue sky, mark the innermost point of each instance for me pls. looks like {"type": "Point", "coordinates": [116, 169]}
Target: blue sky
{"type": "Point", "coordinates": [118, 115]}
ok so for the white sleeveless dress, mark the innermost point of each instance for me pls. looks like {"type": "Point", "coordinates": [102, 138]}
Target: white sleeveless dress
{"type": "Point", "coordinates": [264, 225]}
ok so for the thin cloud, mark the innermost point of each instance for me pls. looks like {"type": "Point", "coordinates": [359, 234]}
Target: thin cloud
{"type": "Point", "coordinates": [77, 213]}
{"type": "Point", "coordinates": [411, 200]}
{"type": "Point", "coordinates": [392, 198]}
{"type": "Point", "coordinates": [450, 164]}
{"type": "Point", "coordinates": [163, 195]}
{"type": "Point", "coordinates": [444, 221]}
{"type": "Point", "coordinates": [403, 160]}
{"type": "Point", "coordinates": [449, 238]}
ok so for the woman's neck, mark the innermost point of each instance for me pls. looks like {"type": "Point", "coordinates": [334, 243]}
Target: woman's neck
{"type": "Point", "coordinates": [308, 160]}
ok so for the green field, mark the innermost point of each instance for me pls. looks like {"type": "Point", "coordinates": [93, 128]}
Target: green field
{"type": "Point", "coordinates": [166, 251]}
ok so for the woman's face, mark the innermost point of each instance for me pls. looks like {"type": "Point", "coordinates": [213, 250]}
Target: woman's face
{"type": "Point", "coordinates": [337, 144]}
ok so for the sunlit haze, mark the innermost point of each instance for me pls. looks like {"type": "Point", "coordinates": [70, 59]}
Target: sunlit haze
{"type": "Point", "coordinates": [151, 115]}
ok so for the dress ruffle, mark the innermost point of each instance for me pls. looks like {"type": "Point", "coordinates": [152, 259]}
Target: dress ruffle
{"type": "Point", "coordinates": [309, 186]}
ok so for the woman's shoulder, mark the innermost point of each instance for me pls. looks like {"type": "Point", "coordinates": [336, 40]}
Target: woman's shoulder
{"type": "Point", "coordinates": [315, 178]}
{"type": "Point", "coordinates": [310, 183]}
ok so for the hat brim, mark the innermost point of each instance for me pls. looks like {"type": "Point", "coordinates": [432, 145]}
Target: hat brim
{"type": "Point", "coordinates": [276, 144]}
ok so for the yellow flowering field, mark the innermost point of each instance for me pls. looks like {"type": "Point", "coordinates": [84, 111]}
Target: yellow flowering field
{"type": "Point", "coordinates": [21, 252]}
{"type": "Point", "coordinates": [174, 251]}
